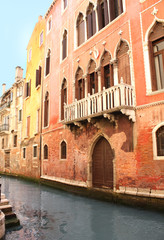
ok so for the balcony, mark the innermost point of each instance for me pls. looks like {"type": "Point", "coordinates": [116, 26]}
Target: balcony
{"type": "Point", "coordinates": [117, 98]}
{"type": "Point", "coordinates": [4, 129]}
{"type": "Point", "coordinates": [5, 107]}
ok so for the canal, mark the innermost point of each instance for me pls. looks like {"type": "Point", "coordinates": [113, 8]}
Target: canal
{"type": "Point", "coordinates": [49, 214]}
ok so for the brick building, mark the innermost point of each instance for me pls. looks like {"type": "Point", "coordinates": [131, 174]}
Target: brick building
{"type": "Point", "coordinates": [103, 95]}
{"type": "Point", "coordinates": [102, 99]}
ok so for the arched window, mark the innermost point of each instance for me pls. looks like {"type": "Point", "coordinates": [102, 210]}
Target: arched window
{"type": "Point", "coordinates": [160, 141]}
{"type": "Point", "coordinates": [63, 150]}
{"type": "Point", "coordinates": [115, 8]}
{"type": "Point", "coordinates": [92, 78]}
{"type": "Point", "coordinates": [156, 53]}
{"type": "Point", "coordinates": [48, 62]}
{"type": "Point", "coordinates": [79, 85]}
{"type": "Point", "coordinates": [63, 97]}
{"type": "Point", "coordinates": [45, 152]}
{"type": "Point", "coordinates": [123, 63]}
{"type": "Point", "coordinates": [46, 109]}
{"type": "Point", "coordinates": [103, 16]}
{"type": "Point", "coordinates": [80, 25]}
{"type": "Point", "coordinates": [106, 71]}
{"type": "Point", "coordinates": [91, 21]}
{"type": "Point", "coordinates": [64, 45]}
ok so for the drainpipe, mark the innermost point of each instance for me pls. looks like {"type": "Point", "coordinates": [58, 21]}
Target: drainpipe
{"type": "Point", "coordinates": [41, 111]}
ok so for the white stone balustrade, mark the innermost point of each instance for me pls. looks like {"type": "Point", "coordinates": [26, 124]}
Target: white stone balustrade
{"type": "Point", "coordinates": [119, 96]}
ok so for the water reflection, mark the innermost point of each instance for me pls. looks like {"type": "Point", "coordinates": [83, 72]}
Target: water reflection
{"type": "Point", "coordinates": [48, 214]}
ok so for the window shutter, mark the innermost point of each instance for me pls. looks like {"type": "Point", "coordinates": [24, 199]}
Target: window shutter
{"type": "Point", "coordinates": [102, 78]}
{"type": "Point", "coordinates": [76, 89]}
{"type": "Point", "coordinates": [93, 22]}
{"type": "Point", "coordinates": [106, 15]}
{"type": "Point", "coordinates": [62, 104]}
{"type": "Point", "coordinates": [96, 82]}
{"type": "Point", "coordinates": [46, 66]}
{"type": "Point", "coordinates": [89, 25]}
{"type": "Point", "coordinates": [37, 77]}
{"type": "Point", "coordinates": [40, 75]}
{"type": "Point", "coordinates": [99, 11]}
{"type": "Point", "coordinates": [111, 10]}
{"type": "Point", "coordinates": [111, 75]}
{"type": "Point", "coordinates": [25, 90]}
{"type": "Point", "coordinates": [121, 6]}
{"type": "Point", "coordinates": [64, 48]}
{"type": "Point", "coordinates": [83, 82]}
{"type": "Point", "coordinates": [89, 84]}
{"type": "Point", "coordinates": [153, 74]}
{"type": "Point", "coordinates": [29, 88]}
{"type": "Point", "coordinates": [81, 35]}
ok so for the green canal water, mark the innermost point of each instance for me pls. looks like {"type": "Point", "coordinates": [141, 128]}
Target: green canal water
{"type": "Point", "coordinates": [49, 214]}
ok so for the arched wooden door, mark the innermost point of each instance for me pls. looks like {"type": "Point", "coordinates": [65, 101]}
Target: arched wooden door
{"type": "Point", "coordinates": [102, 170]}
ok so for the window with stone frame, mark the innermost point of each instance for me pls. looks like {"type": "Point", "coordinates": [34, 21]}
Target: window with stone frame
{"type": "Point", "coordinates": [80, 26]}
{"type": "Point", "coordinates": [45, 152]}
{"type": "Point", "coordinates": [35, 151]}
{"type": "Point", "coordinates": [28, 89]}
{"type": "Point", "coordinates": [24, 152]}
{"type": "Point", "coordinates": [123, 62]}
{"type": "Point", "coordinates": [48, 62]}
{"type": "Point", "coordinates": [79, 85]}
{"type": "Point", "coordinates": [63, 97]}
{"type": "Point", "coordinates": [38, 76]}
{"type": "Point", "coordinates": [63, 150]}
{"type": "Point", "coordinates": [92, 78]}
{"type": "Point", "coordinates": [107, 80]}
{"type": "Point", "coordinates": [160, 141]}
{"type": "Point", "coordinates": [91, 21]}
{"type": "Point", "coordinates": [103, 15]}
{"type": "Point", "coordinates": [64, 4]}
{"type": "Point", "coordinates": [15, 141]}
{"type": "Point", "coordinates": [3, 143]}
{"type": "Point", "coordinates": [156, 54]}
{"type": "Point", "coordinates": [46, 109]}
{"type": "Point", "coordinates": [64, 45]}
{"type": "Point", "coordinates": [115, 9]}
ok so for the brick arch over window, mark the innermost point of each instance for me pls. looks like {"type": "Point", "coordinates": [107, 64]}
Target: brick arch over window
{"type": "Point", "coordinates": [92, 78]}
{"type": "Point", "coordinates": [46, 109]}
{"type": "Point", "coordinates": [106, 71]}
{"type": "Point", "coordinates": [79, 84]}
{"type": "Point", "coordinates": [156, 55]}
{"type": "Point", "coordinates": [123, 63]}
{"type": "Point", "coordinates": [63, 97]}
{"type": "Point", "coordinates": [91, 21]}
{"type": "Point", "coordinates": [80, 26]}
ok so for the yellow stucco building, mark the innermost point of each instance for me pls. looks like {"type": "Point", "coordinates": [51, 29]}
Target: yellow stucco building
{"type": "Point", "coordinates": [32, 101]}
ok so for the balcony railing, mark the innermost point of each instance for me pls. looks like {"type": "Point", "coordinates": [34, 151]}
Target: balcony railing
{"type": "Point", "coordinates": [4, 105]}
{"type": "Point", "coordinates": [108, 100]}
{"type": "Point", "coordinates": [4, 127]}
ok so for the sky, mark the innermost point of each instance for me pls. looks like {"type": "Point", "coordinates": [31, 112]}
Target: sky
{"type": "Point", "coordinates": [17, 21]}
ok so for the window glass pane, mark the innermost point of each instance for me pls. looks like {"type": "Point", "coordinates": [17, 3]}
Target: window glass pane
{"type": "Point", "coordinates": [160, 141]}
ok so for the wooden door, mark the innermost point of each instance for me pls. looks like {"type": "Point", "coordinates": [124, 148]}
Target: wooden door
{"type": "Point", "coordinates": [102, 164]}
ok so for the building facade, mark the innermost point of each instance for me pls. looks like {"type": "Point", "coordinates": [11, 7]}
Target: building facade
{"type": "Point", "coordinates": [31, 130]}
{"type": "Point", "coordinates": [11, 124]}
{"type": "Point", "coordinates": [100, 104]}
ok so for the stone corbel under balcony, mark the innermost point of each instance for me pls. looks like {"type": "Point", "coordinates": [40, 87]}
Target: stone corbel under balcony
{"type": "Point", "coordinates": [130, 113]}
{"type": "Point", "coordinates": [111, 118]}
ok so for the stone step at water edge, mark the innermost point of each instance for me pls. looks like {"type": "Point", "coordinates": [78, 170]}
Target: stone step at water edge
{"type": "Point", "coordinates": [13, 222]}
{"type": "Point", "coordinates": [4, 202]}
{"type": "Point", "coordinates": [6, 208]}
{"type": "Point", "coordinates": [10, 215]}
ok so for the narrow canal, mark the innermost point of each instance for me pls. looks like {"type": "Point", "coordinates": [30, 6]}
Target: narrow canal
{"type": "Point", "coordinates": [49, 214]}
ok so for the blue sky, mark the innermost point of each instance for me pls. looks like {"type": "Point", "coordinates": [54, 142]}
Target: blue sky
{"type": "Point", "coordinates": [17, 21]}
